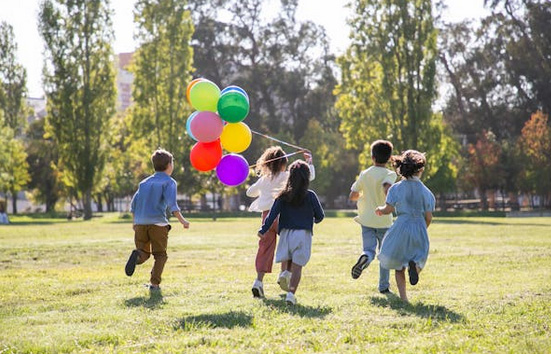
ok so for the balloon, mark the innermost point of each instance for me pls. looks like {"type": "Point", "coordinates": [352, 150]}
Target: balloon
{"type": "Point", "coordinates": [232, 170]}
{"type": "Point", "coordinates": [233, 107]}
{"type": "Point", "coordinates": [235, 89]}
{"type": "Point", "coordinates": [188, 122]}
{"type": "Point", "coordinates": [204, 95]}
{"type": "Point", "coordinates": [205, 156]}
{"type": "Point", "coordinates": [236, 137]}
{"type": "Point", "coordinates": [206, 126]}
{"type": "Point", "coordinates": [193, 82]}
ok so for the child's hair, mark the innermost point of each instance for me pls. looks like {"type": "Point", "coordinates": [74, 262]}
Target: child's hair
{"type": "Point", "coordinates": [381, 150]}
{"type": "Point", "coordinates": [160, 159]}
{"type": "Point", "coordinates": [297, 185]}
{"type": "Point", "coordinates": [272, 161]}
{"type": "Point", "coordinates": [409, 163]}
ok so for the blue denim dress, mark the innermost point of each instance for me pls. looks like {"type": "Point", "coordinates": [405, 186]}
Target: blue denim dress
{"type": "Point", "coordinates": [407, 239]}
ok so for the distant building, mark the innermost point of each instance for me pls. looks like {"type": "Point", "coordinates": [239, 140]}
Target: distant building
{"type": "Point", "coordinates": [39, 108]}
{"type": "Point", "coordinates": [124, 81]}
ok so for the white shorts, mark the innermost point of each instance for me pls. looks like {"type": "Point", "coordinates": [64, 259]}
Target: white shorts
{"type": "Point", "coordinates": [295, 246]}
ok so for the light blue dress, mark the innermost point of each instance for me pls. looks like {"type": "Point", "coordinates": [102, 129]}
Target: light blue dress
{"type": "Point", "coordinates": [407, 239]}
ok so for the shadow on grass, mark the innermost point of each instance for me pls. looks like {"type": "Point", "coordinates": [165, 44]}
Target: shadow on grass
{"type": "Point", "coordinates": [154, 301]}
{"type": "Point", "coordinates": [420, 309]}
{"type": "Point", "coordinates": [298, 309]}
{"type": "Point", "coordinates": [482, 222]}
{"type": "Point", "coordinates": [216, 320]}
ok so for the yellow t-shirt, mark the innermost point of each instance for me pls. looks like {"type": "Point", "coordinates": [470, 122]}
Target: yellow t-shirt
{"type": "Point", "coordinates": [372, 194]}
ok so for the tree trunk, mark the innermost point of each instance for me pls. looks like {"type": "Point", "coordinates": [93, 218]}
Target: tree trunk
{"type": "Point", "coordinates": [483, 200]}
{"type": "Point", "coordinates": [14, 202]}
{"type": "Point", "coordinates": [87, 205]}
{"type": "Point", "coordinates": [100, 203]}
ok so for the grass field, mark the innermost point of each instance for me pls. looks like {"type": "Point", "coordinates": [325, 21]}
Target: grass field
{"type": "Point", "coordinates": [486, 289]}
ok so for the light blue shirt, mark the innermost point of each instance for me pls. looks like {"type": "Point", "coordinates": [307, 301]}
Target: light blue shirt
{"type": "Point", "coordinates": [155, 194]}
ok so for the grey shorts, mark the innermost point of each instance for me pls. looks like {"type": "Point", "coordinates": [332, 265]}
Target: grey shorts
{"type": "Point", "coordinates": [295, 246]}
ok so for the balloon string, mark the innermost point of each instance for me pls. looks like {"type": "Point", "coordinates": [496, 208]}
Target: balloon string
{"type": "Point", "coordinates": [280, 141]}
{"type": "Point", "coordinates": [281, 157]}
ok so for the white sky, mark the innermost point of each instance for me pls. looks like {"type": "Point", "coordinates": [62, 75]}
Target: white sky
{"type": "Point", "coordinates": [332, 14]}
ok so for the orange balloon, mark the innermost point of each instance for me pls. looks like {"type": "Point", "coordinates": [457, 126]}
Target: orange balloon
{"type": "Point", "coordinates": [188, 90]}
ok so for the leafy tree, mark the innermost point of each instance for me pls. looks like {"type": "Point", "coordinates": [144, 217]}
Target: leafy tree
{"type": "Point", "coordinates": [161, 68]}
{"type": "Point", "coordinates": [14, 168]}
{"type": "Point", "coordinates": [42, 158]}
{"type": "Point", "coordinates": [535, 143]}
{"type": "Point", "coordinates": [80, 89]}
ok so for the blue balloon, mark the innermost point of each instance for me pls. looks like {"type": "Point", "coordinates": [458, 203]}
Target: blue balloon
{"type": "Point", "coordinates": [188, 124]}
{"type": "Point", "coordinates": [235, 89]}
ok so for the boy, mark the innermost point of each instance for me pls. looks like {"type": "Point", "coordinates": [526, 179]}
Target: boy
{"type": "Point", "coordinates": [150, 224]}
{"type": "Point", "coordinates": [369, 191]}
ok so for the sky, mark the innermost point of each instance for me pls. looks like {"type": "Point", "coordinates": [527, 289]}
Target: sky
{"type": "Point", "coordinates": [332, 14]}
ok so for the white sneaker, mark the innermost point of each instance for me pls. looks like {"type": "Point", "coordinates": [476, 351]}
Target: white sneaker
{"type": "Point", "coordinates": [258, 288]}
{"type": "Point", "coordinates": [284, 280]}
{"type": "Point", "coordinates": [290, 299]}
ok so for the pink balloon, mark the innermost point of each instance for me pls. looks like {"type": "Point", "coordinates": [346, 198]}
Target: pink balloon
{"type": "Point", "coordinates": [206, 126]}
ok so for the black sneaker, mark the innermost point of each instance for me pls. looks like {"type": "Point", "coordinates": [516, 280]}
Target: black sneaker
{"type": "Point", "coordinates": [385, 291]}
{"type": "Point", "coordinates": [131, 264]}
{"type": "Point", "coordinates": [413, 275]}
{"type": "Point", "coordinates": [359, 266]}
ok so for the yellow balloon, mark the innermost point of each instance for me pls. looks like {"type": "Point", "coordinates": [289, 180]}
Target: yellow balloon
{"type": "Point", "coordinates": [236, 137]}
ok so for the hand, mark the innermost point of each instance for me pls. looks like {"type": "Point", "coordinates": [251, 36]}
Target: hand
{"type": "Point", "coordinates": [378, 211]}
{"type": "Point", "coordinates": [308, 157]}
{"type": "Point", "coordinates": [134, 227]}
{"type": "Point", "coordinates": [185, 223]}
{"type": "Point", "coordinates": [261, 235]}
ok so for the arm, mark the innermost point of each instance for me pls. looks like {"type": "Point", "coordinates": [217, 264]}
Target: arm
{"type": "Point", "coordinates": [428, 217]}
{"type": "Point", "coordinates": [355, 190]}
{"type": "Point", "coordinates": [254, 190]}
{"type": "Point", "coordinates": [170, 195]}
{"type": "Point", "coordinates": [308, 159]}
{"type": "Point", "coordinates": [384, 210]}
{"type": "Point", "coordinates": [318, 210]}
{"type": "Point", "coordinates": [354, 196]}
{"type": "Point", "coordinates": [274, 212]}
{"type": "Point", "coordinates": [386, 186]}
{"type": "Point", "coordinates": [181, 219]}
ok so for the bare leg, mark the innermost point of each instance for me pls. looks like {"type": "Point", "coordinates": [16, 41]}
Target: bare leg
{"type": "Point", "coordinates": [401, 284]}
{"type": "Point", "coordinates": [260, 276]}
{"type": "Point", "coordinates": [295, 278]}
{"type": "Point", "coordinates": [286, 265]}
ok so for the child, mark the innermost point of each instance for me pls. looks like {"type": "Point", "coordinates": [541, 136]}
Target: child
{"type": "Point", "coordinates": [298, 208]}
{"type": "Point", "coordinates": [406, 244]}
{"type": "Point", "coordinates": [271, 167]}
{"type": "Point", "coordinates": [150, 224]}
{"type": "Point", "coordinates": [373, 185]}
{"type": "Point", "coordinates": [3, 215]}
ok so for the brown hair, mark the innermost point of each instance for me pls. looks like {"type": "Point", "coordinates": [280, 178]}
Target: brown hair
{"type": "Point", "coordinates": [160, 159]}
{"type": "Point", "coordinates": [381, 150]}
{"type": "Point", "coordinates": [409, 163]}
{"type": "Point", "coordinates": [272, 161]}
{"type": "Point", "coordinates": [297, 185]}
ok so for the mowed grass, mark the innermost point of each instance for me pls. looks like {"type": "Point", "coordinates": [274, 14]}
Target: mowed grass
{"type": "Point", "coordinates": [486, 289]}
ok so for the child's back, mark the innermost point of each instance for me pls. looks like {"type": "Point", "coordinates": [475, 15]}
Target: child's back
{"type": "Point", "coordinates": [370, 183]}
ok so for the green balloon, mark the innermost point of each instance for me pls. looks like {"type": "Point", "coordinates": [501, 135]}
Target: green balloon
{"type": "Point", "coordinates": [204, 96]}
{"type": "Point", "coordinates": [233, 107]}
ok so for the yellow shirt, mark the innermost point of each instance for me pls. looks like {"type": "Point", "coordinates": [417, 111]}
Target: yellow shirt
{"type": "Point", "coordinates": [372, 194]}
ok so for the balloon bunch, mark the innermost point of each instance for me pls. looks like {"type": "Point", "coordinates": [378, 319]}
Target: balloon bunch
{"type": "Point", "coordinates": [216, 124]}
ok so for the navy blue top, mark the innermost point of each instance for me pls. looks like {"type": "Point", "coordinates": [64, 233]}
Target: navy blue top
{"type": "Point", "coordinates": [155, 194]}
{"type": "Point", "coordinates": [301, 217]}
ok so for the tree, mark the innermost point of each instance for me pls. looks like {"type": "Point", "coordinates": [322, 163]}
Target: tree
{"type": "Point", "coordinates": [535, 143]}
{"type": "Point", "coordinates": [80, 87]}
{"type": "Point", "coordinates": [13, 80]}
{"type": "Point", "coordinates": [42, 158]}
{"type": "Point", "coordinates": [14, 168]}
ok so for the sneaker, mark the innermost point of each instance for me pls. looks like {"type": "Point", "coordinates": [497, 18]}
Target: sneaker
{"type": "Point", "coordinates": [360, 265]}
{"type": "Point", "coordinates": [290, 299]}
{"type": "Point", "coordinates": [258, 289]}
{"type": "Point", "coordinates": [385, 291]}
{"type": "Point", "coordinates": [412, 272]}
{"type": "Point", "coordinates": [284, 280]}
{"type": "Point", "coordinates": [131, 264]}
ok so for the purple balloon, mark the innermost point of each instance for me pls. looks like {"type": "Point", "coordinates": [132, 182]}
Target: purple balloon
{"type": "Point", "coordinates": [232, 170]}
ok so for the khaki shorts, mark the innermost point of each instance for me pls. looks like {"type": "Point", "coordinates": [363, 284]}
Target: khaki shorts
{"type": "Point", "coordinates": [295, 246]}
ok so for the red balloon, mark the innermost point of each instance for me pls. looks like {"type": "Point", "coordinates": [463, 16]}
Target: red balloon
{"type": "Point", "coordinates": [206, 156]}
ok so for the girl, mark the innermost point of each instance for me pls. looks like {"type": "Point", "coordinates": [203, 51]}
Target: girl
{"type": "Point", "coordinates": [406, 243]}
{"type": "Point", "coordinates": [298, 208]}
{"type": "Point", "coordinates": [271, 167]}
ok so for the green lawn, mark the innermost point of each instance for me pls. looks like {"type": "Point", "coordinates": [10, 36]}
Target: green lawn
{"type": "Point", "coordinates": [486, 289]}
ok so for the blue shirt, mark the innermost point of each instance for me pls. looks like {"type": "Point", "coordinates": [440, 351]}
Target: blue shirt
{"type": "Point", "coordinates": [295, 217]}
{"type": "Point", "coordinates": [155, 194]}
